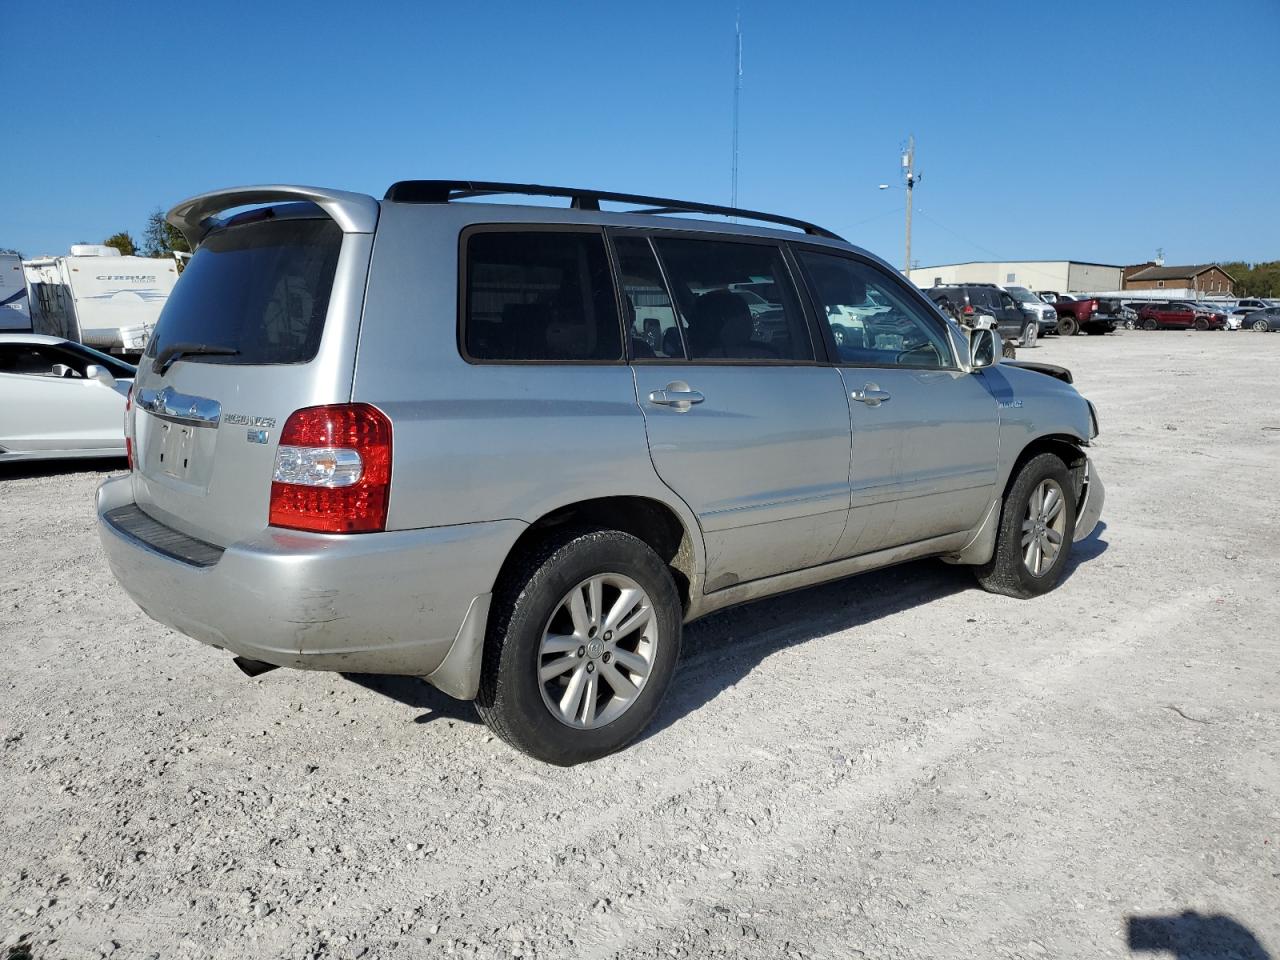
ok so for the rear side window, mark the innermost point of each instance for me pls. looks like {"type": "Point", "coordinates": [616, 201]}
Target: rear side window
{"type": "Point", "coordinates": [723, 292]}
{"type": "Point", "coordinates": [539, 295]}
{"type": "Point", "coordinates": [260, 289]}
{"type": "Point", "coordinates": [650, 318]}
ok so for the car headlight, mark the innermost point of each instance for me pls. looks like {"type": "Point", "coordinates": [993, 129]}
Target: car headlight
{"type": "Point", "coordinates": [1093, 420]}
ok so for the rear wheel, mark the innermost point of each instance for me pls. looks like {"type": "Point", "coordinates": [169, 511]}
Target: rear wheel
{"type": "Point", "coordinates": [1068, 326]}
{"type": "Point", "coordinates": [582, 643]}
{"type": "Point", "coordinates": [1037, 521]}
{"type": "Point", "coordinates": [1007, 350]}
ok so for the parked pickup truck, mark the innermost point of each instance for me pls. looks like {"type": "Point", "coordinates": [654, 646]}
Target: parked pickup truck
{"type": "Point", "coordinates": [1083, 313]}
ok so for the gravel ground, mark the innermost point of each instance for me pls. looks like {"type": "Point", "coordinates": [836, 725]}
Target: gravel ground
{"type": "Point", "coordinates": [895, 765]}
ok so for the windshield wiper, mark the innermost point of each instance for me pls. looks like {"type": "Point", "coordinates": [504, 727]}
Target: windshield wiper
{"type": "Point", "coordinates": [176, 351]}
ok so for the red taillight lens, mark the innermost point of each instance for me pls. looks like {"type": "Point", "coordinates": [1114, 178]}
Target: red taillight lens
{"type": "Point", "coordinates": [128, 426]}
{"type": "Point", "coordinates": [333, 470]}
{"type": "Point", "coordinates": [968, 309]}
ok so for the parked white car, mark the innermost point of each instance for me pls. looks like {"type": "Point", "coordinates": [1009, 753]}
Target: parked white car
{"type": "Point", "coordinates": [60, 399]}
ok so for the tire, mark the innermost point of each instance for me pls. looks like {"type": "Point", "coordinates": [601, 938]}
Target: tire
{"type": "Point", "coordinates": [1008, 572]}
{"type": "Point", "coordinates": [1150, 324]}
{"type": "Point", "coordinates": [1007, 350]}
{"type": "Point", "coordinates": [1131, 324]}
{"type": "Point", "coordinates": [1030, 334]}
{"type": "Point", "coordinates": [1202, 324]}
{"type": "Point", "coordinates": [1068, 326]}
{"type": "Point", "coordinates": [532, 604]}
{"type": "Point", "coordinates": [1261, 326]}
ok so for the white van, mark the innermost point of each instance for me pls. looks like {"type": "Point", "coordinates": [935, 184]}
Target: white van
{"type": "Point", "coordinates": [98, 297]}
{"type": "Point", "coordinates": [15, 311]}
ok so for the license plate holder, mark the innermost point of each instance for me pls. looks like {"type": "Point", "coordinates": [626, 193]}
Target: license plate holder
{"type": "Point", "coordinates": [176, 449]}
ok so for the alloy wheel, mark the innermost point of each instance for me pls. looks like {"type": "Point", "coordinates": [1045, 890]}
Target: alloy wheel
{"type": "Point", "coordinates": [1043, 527]}
{"type": "Point", "coordinates": [597, 651]}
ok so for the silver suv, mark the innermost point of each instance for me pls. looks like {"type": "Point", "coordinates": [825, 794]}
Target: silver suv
{"type": "Point", "coordinates": [512, 449]}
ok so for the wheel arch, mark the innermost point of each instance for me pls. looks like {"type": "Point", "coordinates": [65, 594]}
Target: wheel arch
{"type": "Point", "coordinates": [1067, 447]}
{"type": "Point", "coordinates": [676, 539]}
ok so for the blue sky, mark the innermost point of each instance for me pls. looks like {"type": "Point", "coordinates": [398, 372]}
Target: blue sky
{"type": "Point", "coordinates": [1089, 130]}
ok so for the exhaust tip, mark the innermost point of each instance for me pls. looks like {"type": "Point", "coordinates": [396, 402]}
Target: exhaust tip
{"type": "Point", "coordinates": [254, 668]}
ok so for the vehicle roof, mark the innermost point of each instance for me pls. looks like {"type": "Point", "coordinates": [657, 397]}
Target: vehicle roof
{"type": "Point", "coordinates": [357, 213]}
{"type": "Point", "coordinates": [20, 337]}
{"type": "Point", "coordinates": [465, 212]}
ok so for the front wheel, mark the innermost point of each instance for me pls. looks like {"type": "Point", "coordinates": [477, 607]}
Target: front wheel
{"type": "Point", "coordinates": [1037, 522]}
{"type": "Point", "coordinates": [1261, 326]}
{"type": "Point", "coordinates": [1202, 324]}
{"type": "Point", "coordinates": [1068, 326]}
{"type": "Point", "coordinates": [1030, 334]}
{"type": "Point", "coordinates": [1150, 324]}
{"type": "Point", "coordinates": [582, 643]}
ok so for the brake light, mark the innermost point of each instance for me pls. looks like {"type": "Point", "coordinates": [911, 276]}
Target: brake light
{"type": "Point", "coordinates": [128, 425]}
{"type": "Point", "coordinates": [333, 470]}
{"type": "Point", "coordinates": [968, 310]}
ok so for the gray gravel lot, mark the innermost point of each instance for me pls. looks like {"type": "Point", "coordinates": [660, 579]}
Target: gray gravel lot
{"type": "Point", "coordinates": [896, 765]}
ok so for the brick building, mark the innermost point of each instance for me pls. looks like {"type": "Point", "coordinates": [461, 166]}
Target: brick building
{"type": "Point", "coordinates": [1207, 279]}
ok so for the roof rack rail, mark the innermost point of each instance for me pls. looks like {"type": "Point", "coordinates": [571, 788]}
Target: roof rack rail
{"type": "Point", "coordinates": [442, 191]}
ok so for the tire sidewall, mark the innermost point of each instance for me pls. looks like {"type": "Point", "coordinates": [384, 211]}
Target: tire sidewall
{"type": "Point", "coordinates": [515, 683]}
{"type": "Point", "coordinates": [1041, 468]}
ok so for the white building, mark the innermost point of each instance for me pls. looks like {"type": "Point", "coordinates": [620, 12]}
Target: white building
{"type": "Point", "coordinates": [1060, 276]}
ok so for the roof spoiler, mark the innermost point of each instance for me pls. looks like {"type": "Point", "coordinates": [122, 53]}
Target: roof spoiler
{"type": "Point", "coordinates": [195, 217]}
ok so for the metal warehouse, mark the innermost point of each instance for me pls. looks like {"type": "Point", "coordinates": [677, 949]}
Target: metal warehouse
{"type": "Point", "coordinates": [1061, 276]}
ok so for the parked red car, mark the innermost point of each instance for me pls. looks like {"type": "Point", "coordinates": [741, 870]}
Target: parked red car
{"type": "Point", "coordinates": [1179, 316]}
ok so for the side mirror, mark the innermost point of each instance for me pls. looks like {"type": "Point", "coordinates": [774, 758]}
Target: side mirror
{"type": "Point", "coordinates": [985, 347]}
{"type": "Point", "coordinates": [95, 372]}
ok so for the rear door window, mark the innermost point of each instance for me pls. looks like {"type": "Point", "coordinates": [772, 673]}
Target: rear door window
{"type": "Point", "coordinates": [539, 295]}
{"type": "Point", "coordinates": [651, 321]}
{"type": "Point", "coordinates": [258, 290]}
{"type": "Point", "coordinates": [722, 291]}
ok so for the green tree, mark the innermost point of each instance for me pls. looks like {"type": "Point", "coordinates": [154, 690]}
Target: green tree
{"type": "Point", "coordinates": [1255, 279]}
{"type": "Point", "coordinates": [123, 242]}
{"type": "Point", "coordinates": [162, 238]}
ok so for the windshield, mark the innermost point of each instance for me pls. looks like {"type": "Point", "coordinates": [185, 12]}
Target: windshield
{"type": "Point", "coordinates": [1022, 295]}
{"type": "Point", "coordinates": [257, 292]}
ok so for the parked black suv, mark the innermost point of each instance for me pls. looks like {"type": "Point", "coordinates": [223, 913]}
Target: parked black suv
{"type": "Point", "coordinates": [1014, 321]}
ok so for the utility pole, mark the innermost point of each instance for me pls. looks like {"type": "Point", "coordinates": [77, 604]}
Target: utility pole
{"type": "Point", "coordinates": [737, 95]}
{"type": "Point", "coordinates": [909, 165]}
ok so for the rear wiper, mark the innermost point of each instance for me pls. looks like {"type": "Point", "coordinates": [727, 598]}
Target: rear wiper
{"type": "Point", "coordinates": [175, 351]}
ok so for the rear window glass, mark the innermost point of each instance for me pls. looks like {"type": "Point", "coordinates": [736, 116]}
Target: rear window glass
{"type": "Point", "coordinates": [261, 289]}
{"type": "Point", "coordinates": [540, 295]}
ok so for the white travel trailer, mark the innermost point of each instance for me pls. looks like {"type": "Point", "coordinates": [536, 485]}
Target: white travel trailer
{"type": "Point", "coordinates": [15, 312]}
{"type": "Point", "coordinates": [99, 298]}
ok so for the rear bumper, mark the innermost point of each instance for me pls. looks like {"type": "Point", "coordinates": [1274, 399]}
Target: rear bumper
{"type": "Point", "coordinates": [1092, 496]}
{"type": "Point", "coordinates": [394, 602]}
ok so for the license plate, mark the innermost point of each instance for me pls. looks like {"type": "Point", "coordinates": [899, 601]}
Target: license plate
{"type": "Point", "coordinates": [176, 448]}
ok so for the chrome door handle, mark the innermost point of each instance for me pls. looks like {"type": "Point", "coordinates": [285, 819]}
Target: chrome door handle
{"type": "Point", "coordinates": [674, 398]}
{"type": "Point", "coordinates": [871, 396]}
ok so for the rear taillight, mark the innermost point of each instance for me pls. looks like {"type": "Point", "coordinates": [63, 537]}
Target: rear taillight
{"type": "Point", "coordinates": [333, 470]}
{"type": "Point", "coordinates": [128, 425]}
{"type": "Point", "coordinates": [968, 310]}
